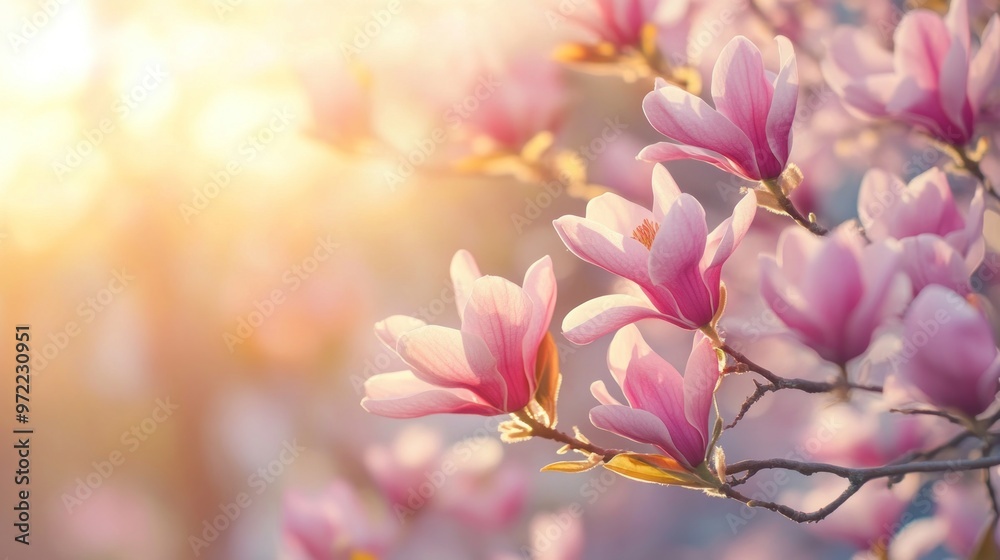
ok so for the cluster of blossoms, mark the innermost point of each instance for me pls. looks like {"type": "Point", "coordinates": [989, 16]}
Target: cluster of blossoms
{"type": "Point", "coordinates": [904, 272]}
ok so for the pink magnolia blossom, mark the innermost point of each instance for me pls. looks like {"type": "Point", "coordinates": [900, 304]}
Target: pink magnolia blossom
{"type": "Point", "coordinates": [833, 292]}
{"type": "Point", "coordinates": [487, 367]}
{"type": "Point", "coordinates": [749, 133]}
{"type": "Point", "coordinates": [891, 209]}
{"type": "Point", "coordinates": [932, 80]}
{"type": "Point", "coordinates": [331, 525]}
{"type": "Point", "coordinates": [620, 22]}
{"type": "Point", "coordinates": [948, 357]}
{"type": "Point", "coordinates": [668, 252]}
{"type": "Point", "coordinates": [525, 98]}
{"type": "Point", "coordinates": [929, 260]}
{"type": "Point", "coordinates": [664, 409]}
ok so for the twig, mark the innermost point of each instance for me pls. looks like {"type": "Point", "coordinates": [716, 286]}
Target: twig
{"type": "Point", "coordinates": [541, 430]}
{"type": "Point", "coordinates": [930, 412]}
{"type": "Point", "coordinates": [777, 383]}
{"type": "Point", "coordinates": [856, 478]}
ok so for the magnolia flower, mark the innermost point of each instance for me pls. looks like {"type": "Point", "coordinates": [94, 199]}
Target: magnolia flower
{"type": "Point", "coordinates": [620, 22]}
{"type": "Point", "coordinates": [664, 409]}
{"type": "Point", "coordinates": [749, 133]}
{"type": "Point", "coordinates": [891, 209]}
{"type": "Point", "coordinates": [487, 367]}
{"type": "Point", "coordinates": [668, 252]}
{"type": "Point", "coordinates": [948, 357]}
{"type": "Point", "coordinates": [525, 99]}
{"type": "Point", "coordinates": [833, 292]}
{"type": "Point", "coordinates": [333, 524]}
{"type": "Point", "coordinates": [932, 80]}
{"type": "Point", "coordinates": [929, 260]}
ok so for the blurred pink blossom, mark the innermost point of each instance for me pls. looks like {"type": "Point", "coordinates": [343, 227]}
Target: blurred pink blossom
{"type": "Point", "coordinates": [527, 97]}
{"type": "Point", "coordinates": [948, 357]}
{"type": "Point", "coordinates": [891, 209]}
{"type": "Point", "coordinates": [331, 525]}
{"type": "Point", "coordinates": [620, 22]}
{"type": "Point", "coordinates": [749, 133]}
{"type": "Point", "coordinates": [487, 367]}
{"type": "Point", "coordinates": [932, 80]}
{"type": "Point", "coordinates": [664, 409]}
{"type": "Point", "coordinates": [668, 252]}
{"type": "Point", "coordinates": [833, 292]}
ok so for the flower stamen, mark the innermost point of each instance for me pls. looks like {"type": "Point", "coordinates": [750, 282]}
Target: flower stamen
{"type": "Point", "coordinates": [646, 233]}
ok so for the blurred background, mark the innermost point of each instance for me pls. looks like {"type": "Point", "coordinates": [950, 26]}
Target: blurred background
{"type": "Point", "coordinates": [206, 204]}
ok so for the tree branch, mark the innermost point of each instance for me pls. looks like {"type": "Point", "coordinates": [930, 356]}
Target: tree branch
{"type": "Point", "coordinates": [776, 383]}
{"type": "Point", "coordinates": [542, 431]}
{"type": "Point", "coordinates": [857, 478]}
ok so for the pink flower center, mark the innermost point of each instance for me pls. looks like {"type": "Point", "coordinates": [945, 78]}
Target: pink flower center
{"type": "Point", "coordinates": [646, 233]}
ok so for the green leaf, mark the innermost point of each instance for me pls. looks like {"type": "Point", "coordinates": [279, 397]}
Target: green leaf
{"type": "Point", "coordinates": [547, 378]}
{"type": "Point", "coordinates": [656, 469]}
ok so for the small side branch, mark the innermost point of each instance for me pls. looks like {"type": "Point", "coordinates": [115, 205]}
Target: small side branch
{"type": "Point", "coordinates": [776, 383]}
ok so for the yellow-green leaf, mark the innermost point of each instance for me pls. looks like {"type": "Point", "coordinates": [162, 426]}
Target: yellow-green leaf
{"type": "Point", "coordinates": [570, 466]}
{"type": "Point", "coordinates": [547, 377]}
{"type": "Point", "coordinates": [656, 469]}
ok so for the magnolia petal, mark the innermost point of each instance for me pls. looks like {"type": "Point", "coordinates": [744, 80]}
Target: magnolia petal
{"type": "Point", "coordinates": [540, 287]}
{"type": "Point", "coordinates": [451, 358]}
{"type": "Point", "coordinates": [402, 395]}
{"type": "Point", "coordinates": [781, 115]}
{"type": "Point", "coordinates": [984, 69]}
{"type": "Point", "coordinates": [606, 314]}
{"type": "Point", "coordinates": [743, 95]}
{"type": "Point", "coordinates": [701, 377]}
{"type": "Point", "coordinates": [464, 272]}
{"type": "Point", "coordinates": [688, 120]}
{"type": "Point", "coordinates": [499, 313]}
{"type": "Point", "coordinates": [667, 151]}
{"type": "Point", "coordinates": [674, 259]}
{"type": "Point", "coordinates": [600, 246]}
{"type": "Point", "coordinates": [390, 329]}
{"type": "Point", "coordinates": [600, 392]}
{"type": "Point", "coordinates": [616, 213]}
{"type": "Point", "coordinates": [637, 425]}
{"type": "Point", "coordinates": [665, 191]}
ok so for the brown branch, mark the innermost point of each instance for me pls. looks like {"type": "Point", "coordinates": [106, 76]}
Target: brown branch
{"type": "Point", "coordinates": [777, 383]}
{"type": "Point", "coordinates": [856, 478]}
{"type": "Point", "coordinates": [542, 431]}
